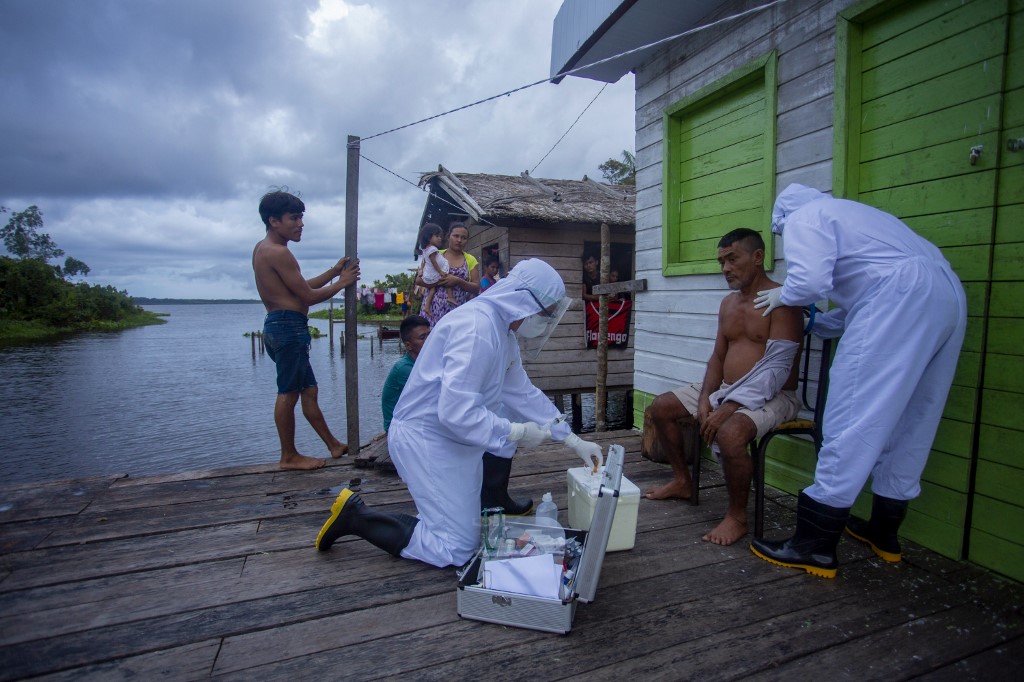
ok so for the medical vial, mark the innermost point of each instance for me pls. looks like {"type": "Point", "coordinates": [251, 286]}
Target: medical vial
{"type": "Point", "coordinates": [547, 512]}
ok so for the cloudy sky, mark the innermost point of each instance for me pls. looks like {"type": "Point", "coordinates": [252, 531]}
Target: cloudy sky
{"type": "Point", "coordinates": [147, 130]}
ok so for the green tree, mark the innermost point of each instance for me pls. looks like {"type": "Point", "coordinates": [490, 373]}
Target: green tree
{"type": "Point", "coordinates": [73, 266]}
{"type": "Point", "coordinates": [31, 289]}
{"type": "Point", "coordinates": [403, 281]}
{"type": "Point", "coordinates": [24, 241]}
{"type": "Point", "coordinates": [620, 172]}
{"type": "Point", "coordinates": [22, 238]}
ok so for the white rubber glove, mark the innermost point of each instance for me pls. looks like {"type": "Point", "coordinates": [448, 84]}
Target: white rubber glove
{"type": "Point", "coordinates": [529, 434]}
{"type": "Point", "coordinates": [769, 299]}
{"type": "Point", "coordinates": [589, 452]}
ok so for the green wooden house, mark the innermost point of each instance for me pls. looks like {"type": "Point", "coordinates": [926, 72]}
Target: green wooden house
{"type": "Point", "coordinates": [913, 106]}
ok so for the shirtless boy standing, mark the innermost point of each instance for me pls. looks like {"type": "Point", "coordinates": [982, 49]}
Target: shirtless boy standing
{"type": "Point", "coordinates": [766, 398]}
{"type": "Point", "coordinates": [287, 297]}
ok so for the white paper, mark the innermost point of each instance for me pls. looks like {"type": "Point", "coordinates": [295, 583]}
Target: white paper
{"type": "Point", "coordinates": [537, 575]}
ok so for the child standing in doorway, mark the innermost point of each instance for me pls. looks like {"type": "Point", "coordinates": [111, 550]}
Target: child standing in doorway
{"type": "Point", "coordinates": [491, 267]}
{"type": "Point", "coordinates": [435, 266]}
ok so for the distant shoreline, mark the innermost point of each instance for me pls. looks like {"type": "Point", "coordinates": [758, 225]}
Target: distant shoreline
{"type": "Point", "coordinates": [142, 300]}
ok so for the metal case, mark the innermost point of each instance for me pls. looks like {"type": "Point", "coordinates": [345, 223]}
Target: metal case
{"type": "Point", "coordinates": [539, 613]}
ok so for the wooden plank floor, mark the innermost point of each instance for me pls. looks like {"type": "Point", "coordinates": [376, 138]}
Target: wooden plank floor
{"type": "Point", "coordinates": [214, 574]}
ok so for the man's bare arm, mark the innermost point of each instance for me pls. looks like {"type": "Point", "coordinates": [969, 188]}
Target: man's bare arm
{"type": "Point", "coordinates": [287, 268]}
{"type": "Point", "coordinates": [787, 322]}
{"type": "Point", "coordinates": [327, 276]}
{"type": "Point", "coordinates": [715, 371]}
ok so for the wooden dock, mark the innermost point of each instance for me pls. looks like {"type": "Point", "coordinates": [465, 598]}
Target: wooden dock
{"type": "Point", "coordinates": [213, 574]}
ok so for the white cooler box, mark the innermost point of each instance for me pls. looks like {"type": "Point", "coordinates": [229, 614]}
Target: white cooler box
{"type": "Point", "coordinates": [583, 498]}
{"type": "Point", "coordinates": [478, 602]}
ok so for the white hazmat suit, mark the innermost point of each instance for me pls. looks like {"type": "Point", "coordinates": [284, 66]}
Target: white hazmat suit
{"type": "Point", "coordinates": [466, 390]}
{"type": "Point", "coordinates": [901, 312]}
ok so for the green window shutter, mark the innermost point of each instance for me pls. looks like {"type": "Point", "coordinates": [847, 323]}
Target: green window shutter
{"type": "Point", "coordinates": [719, 167]}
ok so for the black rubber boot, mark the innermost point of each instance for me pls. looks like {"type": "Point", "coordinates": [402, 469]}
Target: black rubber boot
{"type": "Point", "coordinates": [494, 490]}
{"type": "Point", "coordinates": [813, 546]}
{"type": "Point", "coordinates": [350, 516]}
{"type": "Point", "coordinates": [880, 532]}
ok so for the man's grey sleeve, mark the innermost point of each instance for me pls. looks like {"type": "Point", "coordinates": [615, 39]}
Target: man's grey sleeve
{"type": "Point", "coordinates": [764, 381]}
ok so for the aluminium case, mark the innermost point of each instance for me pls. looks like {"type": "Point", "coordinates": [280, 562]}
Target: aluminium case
{"type": "Point", "coordinates": [543, 613]}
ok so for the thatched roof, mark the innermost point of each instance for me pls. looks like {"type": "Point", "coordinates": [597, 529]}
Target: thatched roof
{"type": "Point", "coordinates": [515, 199]}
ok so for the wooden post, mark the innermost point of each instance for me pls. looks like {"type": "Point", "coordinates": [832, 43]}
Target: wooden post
{"type": "Point", "coordinates": [351, 332]}
{"type": "Point", "coordinates": [600, 398]}
{"type": "Point", "coordinates": [330, 320]}
{"type": "Point", "coordinates": [253, 338]}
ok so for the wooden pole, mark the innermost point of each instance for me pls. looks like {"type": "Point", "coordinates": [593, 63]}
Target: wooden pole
{"type": "Point", "coordinates": [351, 332]}
{"type": "Point", "coordinates": [330, 321]}
{"type": "Point", "coordinates": [600, 399]}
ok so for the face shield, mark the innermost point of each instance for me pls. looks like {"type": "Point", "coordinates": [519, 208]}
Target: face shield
{"type": "Point", "coordinates": [536, 329]}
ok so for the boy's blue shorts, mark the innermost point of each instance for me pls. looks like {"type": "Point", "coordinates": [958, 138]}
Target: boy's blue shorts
{"type": "Point", "coordinates": [286, 337]}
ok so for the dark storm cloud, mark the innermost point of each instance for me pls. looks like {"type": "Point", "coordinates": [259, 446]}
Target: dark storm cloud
{"type": "Point", "coordinates": [123, 98]}
{"type": "Point", "coordinates": [147, 130]}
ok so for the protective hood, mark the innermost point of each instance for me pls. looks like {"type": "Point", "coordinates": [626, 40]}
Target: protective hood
{"type": "Point", "coordinates": [532, 288]}
{"type": "Point", "coordinates": [793, 197]}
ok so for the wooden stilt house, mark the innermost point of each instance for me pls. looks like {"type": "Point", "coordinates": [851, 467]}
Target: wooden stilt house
{"type": "Point", "coordinates": [517, 217]}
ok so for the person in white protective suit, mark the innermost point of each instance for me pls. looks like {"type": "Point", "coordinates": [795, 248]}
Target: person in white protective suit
{"type": "Point", "coordinates": [467, 394]}
{"type": "Point", "coordinates": [901, 312]}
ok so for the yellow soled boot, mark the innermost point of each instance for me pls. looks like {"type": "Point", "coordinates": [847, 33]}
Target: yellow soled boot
{"type": "Point", "coordinates": [880, 531]}
{"type": "Point", "coordinates": [350, 516]}
{"type": "Point", "coordinates": [813, 547]}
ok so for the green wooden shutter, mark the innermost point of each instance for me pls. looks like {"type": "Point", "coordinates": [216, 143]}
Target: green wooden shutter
{"type": "Point", "coordinates": [719, 167]}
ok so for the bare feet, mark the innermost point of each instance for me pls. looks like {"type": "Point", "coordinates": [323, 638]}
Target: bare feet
{"type": "Point", "coordinates": [727, 532]}
{"type": "Point", "coordinates": [672, 490]}
{"type": "Point", "coordinates": [299, 462]}
{"type": "Point", "coordinates": [338, 449]}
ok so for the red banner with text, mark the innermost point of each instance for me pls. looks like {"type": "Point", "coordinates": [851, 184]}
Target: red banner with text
{"type": "Point", "coordinates": [618, 323]}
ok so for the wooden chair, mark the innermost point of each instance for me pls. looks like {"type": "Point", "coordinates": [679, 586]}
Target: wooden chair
{"type": "Point", "coordinates": [809, 427]}
{"type": "Point", "coordinates": [797, 427]}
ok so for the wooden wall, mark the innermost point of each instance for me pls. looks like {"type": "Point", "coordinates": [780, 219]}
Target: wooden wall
{"type": "Point", "coordinates": [565, 365]}
{"type": "Point", "coordinates": [675, 318]}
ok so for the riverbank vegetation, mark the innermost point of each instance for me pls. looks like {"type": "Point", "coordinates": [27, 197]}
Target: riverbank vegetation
{"type": "Point", "coordinates": [367, 311]}
{"type": "Point", "coordinates": [39, 299]}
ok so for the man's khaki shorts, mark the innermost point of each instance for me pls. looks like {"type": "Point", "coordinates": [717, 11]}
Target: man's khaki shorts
{"type": "Point", "coordinates": [782, 408]}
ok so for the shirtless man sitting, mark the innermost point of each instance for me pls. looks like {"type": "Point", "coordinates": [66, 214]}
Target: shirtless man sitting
{"type": "Point", "coordinates": [760, 378]}
{"type": "Point", "coordinates": [287, 297]}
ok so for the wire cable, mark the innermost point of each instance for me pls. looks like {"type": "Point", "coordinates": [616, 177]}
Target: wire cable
{"type": "Point", "coordinates": [423, 188]}
{"type": "Point", "coordinates": [577, 69]}
{"type": "Point", "coordinates": [570, 128]}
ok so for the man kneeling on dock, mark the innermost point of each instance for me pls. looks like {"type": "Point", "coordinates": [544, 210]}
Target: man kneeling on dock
{"type": "Point", "coordinates": [748, 387]}
{"type": "Point", "coordinates": [287, 297]}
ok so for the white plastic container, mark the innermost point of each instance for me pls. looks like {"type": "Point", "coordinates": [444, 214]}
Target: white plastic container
{"type": "Point", "coordinates": [547, 512]}
{"type": "Point", "coordinates": [583, 489]}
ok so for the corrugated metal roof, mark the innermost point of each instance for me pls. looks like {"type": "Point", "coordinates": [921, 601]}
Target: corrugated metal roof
{"type": "Point", "coordinates": [587, 31]}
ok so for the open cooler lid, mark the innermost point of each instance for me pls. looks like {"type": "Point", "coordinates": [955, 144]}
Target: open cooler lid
{"type": "Point", "coordinates": [601, 527]}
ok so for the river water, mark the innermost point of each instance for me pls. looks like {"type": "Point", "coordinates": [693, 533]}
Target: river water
{"type": "Point", "coordinates": [175, 397]}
